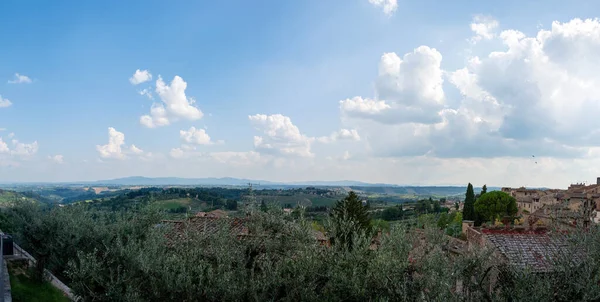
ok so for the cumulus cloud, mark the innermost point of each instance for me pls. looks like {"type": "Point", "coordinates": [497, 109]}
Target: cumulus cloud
{"type": "Point", "coordinates": [281, 136]}
{"type": "Point", "coordinates": [4, 102]}
{"type": "Point", "coordinates": [56, 159]}
{"type": "Point", "coordinates": [484, 28]}
{"type": "Point", "coordinates": [17, 149]}
{"type": "Point", "coordinates": [342, 134]}
{"type": "Point", "coordinates": [195, 136]}
{"type": "Point", "coordinates": [538, 95]}
{"type": "Point", "coordinates": [140, 76]}
{"type": "Point", "coordinates": [389, 6]}
{"type": "Point", "coordinates": [116, 148]}
{"type": "Point", "coordinates": [175, 105]}
{"type": "Point", "coordinates": [20, 79]}
{"type": "Point", "coordinates": [146, 92]}
{"type": "Point", "coordinates": [177, 153]}
{"type": "Point", "coordinates": [113, 149]}
{"type": "Point", "coordinates": [23, 149]}
{"type": "Point", "coordinates": [408, 90]}
{"type": "Point", "coordinates": [3, 147]}
{"type": "Point", "coordinates": [135, 150]}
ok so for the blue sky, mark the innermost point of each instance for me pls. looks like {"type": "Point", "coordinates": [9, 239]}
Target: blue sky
{"type": "Point", "coordinates": [278, 70]}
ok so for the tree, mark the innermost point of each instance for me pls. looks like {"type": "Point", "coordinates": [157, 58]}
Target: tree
{"type": "Point", "coordinates": [456, 205]}
{"type": "Point", "coordinates": [483, 190]}
{"type": "Point", "coordinates": [352, 208]}
{"type": "Point", "coordinates": [391, 213]}
{"type": "Point", "coordinates": [469, 207]}
{"type": "Point", "coordinates": [423, 206]}
{"type": "Point", "coordinates": [437, 207]}
{"type": "Point", "coordinates": [442, 221]}
{"type": "Point", "coordinates": [496, 204]}
{"type": "Point", "coordinates": [231, 205]}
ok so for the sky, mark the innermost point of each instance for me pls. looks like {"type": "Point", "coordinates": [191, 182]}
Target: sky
{"type": "Point", "coordinates": [389, 91]}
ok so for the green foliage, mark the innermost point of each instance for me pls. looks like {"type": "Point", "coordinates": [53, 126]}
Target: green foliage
{"type": "Point", "coordinates": [426, 221]}
{"type": "Point", "coordinates": [24, 288]}
{"type": "Point", "coordinates": [483, 190]}
{"type": "Point", "coordinates": [496, 204]}
{"type": "Point", "coordinates": [351, 208]}
{"type": "Point", "coordinates": [380, 225]}
{"type": "Point", "coordinates": [392, 213]}
{"type": "Point", "coordinates": [469, 206]}
{"type": "Point", "coordinates": [349, 223]}
{"type": "Point", "coordinates": [130, 257]}
{"type": "Point", "coordinates": [231, 205]}
{"type": "Point", "coordinates": [442, 222]}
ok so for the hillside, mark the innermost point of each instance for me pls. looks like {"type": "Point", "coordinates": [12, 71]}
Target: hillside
{"type": "Point", "coordinates": [9, 197]}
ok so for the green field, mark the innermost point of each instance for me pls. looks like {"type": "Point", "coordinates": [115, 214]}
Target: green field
{"type": "Point", "coordinates": [25, 289]}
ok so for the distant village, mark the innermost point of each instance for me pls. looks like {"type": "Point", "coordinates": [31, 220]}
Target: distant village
{"type": "Point", "coordinates": [578, 204]}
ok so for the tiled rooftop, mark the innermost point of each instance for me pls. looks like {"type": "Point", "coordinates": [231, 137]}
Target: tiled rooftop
{"type": "Point", "coordinates": [538, 251]}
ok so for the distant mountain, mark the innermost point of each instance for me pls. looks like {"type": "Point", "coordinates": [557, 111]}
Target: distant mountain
{"type": "Point", "coordinates": [176, 181]}
{"type": "Point", "coordinates": [225, 181]}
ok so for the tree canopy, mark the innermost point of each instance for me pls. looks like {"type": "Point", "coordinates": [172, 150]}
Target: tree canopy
{"type": "Point", "coordinates": [351, 207]}
{"type": "Point", "coordinates": [469, 207]}
{"type": "Point", "coordinates": [496, 204]}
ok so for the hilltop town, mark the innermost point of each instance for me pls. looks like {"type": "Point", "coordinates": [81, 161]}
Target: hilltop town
{"type": "Point", "coordinates": [578, 204]}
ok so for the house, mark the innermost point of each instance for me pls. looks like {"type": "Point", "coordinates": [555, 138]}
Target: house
{"type": "Point", "coordinates": [535, 249]}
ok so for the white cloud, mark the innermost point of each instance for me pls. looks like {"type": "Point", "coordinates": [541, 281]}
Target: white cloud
{"type": "Point", "coordinates": [136, 150]}
{"type": "Point", "coordinates": [24, 150]}
{"type": "Point", "coordinates": [537, 96]}
{"type": "Point", "coordinates": [11, 135]}
{"type": "Point", "coordinates": [282, 137]}
{"type": "Point", "coordinates": [177, 153]}
{"type": "Point", "coordinates": [342, 134]}
{"type": "Point", "coordinates": [4, 102]}
{"type": "Point", "coordinates": [408, 90]}
{"type": "Point", "coordinates": [389, 6]}
{"type": "Point", "coordinates": [484, 28]}
{"type": "Point", "coordinates": [57, 159]}
{"type": "Point", "coordinates": [20, 79]}
{"type": "Point", "coordinates": [146, 92]}
{"type": "Point", "coordinates": [3, 147]}
{"type": "Point", "coordinates": [140, 76]}
{"type": "Point", "coordinates": [175, 105]}
{"type": "Point", "coordinates": [195, 136]}
{"type": "Point", "coordinates": [113, 149]}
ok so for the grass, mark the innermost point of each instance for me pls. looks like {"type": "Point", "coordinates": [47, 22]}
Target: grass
{"type": "Point", "coordinates": [25, 289]}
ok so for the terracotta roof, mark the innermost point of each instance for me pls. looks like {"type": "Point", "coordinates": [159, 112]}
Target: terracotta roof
{"type": "Point", "coordinates": [533, 250]}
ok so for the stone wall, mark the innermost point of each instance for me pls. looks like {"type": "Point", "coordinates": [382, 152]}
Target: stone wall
{"type": "Point", "coordinates": [7, 293]}
{"type": "Point", "coordinates": [50, 277]}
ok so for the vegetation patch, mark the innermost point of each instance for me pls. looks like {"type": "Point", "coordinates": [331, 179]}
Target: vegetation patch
{"type": "Point", "coordinates": [24, 288]}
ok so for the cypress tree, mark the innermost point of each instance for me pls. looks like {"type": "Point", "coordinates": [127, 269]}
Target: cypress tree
{"type": "Point", "coordinates": [352, 207]}
{"type": "Point", "coordinates": [469, 207]}
{"type": "Point", "coordinates": [483, 190]}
